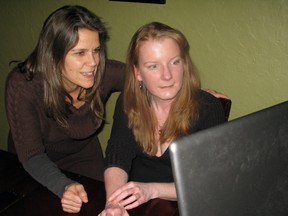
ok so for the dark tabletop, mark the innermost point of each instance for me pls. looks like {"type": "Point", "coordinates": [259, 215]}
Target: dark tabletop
{"type": "Point", "coordinates": [22, 195]}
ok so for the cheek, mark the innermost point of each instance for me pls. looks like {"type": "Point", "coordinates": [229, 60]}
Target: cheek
{"type": "Point", "coordinates": [179, 75]}
{"type": "Point", "coordinates": [151, 82]}
{"type": "Point", "coordinates": [66, 65]}
{"type": "Point", "coordinates": [97, 58]}
{"type": "Point", "coordinates": [181, 79]}
{"type": "Point", "coordinates": [72, 66]}
{"type": "Point", "coordinates": [66, 70]}
{"type": "Point", "coordinates": [69, 69]}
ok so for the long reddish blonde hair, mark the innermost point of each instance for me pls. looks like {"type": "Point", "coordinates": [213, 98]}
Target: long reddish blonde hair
{"type": "Point", "coordinates": [137, 101]}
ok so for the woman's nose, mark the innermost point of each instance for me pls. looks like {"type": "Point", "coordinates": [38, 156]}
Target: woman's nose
{"type": "Point", "coordinates": [166, 74]}
{"type": "Point", "coordinates": [93, 59]}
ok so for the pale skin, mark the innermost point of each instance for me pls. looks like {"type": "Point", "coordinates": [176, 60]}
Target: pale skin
{"type": "Point", "coordinates": [161, 70]}
{"type": "Point", "coordinates": [79, 69]}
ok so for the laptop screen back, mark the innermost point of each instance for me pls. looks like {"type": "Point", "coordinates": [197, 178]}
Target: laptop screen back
{"type": "Point", "coordinates": [237, 168]}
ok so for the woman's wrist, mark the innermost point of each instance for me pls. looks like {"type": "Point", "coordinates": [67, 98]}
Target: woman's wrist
{"type": "Point", "coordinates": [165, 191]}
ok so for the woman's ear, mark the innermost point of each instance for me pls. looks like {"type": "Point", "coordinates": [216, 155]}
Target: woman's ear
{"type": "Point", "coordinates": [137, 73]}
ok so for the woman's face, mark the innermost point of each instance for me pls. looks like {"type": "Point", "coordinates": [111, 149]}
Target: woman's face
{"type": "Point", "coordinates": [160, 68]}
{"type": "Point", "coordinates": [80, 63]}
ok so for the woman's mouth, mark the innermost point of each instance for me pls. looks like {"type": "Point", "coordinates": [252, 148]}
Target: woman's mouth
{"type": "Point", "coordinates": [87, 74]}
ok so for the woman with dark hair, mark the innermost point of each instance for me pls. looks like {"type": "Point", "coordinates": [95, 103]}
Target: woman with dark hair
{"type": "Point", "coordinates": [54, 102]}
{"type": "Point", "coordinates": [161, 102]}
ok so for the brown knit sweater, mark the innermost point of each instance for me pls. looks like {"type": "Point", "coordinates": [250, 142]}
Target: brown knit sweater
{"type": "Point", "coordinates": [75, 148]}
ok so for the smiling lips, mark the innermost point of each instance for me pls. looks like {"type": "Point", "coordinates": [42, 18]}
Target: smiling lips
{"type": "Point", "coordinates": [87, 74]}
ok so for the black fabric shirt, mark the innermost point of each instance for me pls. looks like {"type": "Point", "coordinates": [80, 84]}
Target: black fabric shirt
{"type": "Point", "coordinates": [123, 152]}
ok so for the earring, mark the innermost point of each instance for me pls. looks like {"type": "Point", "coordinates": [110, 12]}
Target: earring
{"type": "Point", "coordinates": [141, 85]}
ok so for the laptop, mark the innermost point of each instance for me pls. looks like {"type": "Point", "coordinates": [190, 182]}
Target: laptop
{"type": "Point", "coordinates": [238, 168]}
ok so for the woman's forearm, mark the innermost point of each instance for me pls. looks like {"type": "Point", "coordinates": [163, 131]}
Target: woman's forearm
{"type": "Point", "coordinates": [114, 178]}
{"type": "Point", "coordinates": [43, 170]}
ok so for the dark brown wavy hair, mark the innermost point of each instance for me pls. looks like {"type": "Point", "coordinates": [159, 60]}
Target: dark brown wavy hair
{"type": "Point", "coordinates": [59, 34]}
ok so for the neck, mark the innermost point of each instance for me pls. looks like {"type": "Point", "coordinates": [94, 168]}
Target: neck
{"type": "Point", "coordinates": [77, 97]}
{"type": "Point", "coordinates": [161, 112]}
{"type": "Point", "coordinates": [162, 106]}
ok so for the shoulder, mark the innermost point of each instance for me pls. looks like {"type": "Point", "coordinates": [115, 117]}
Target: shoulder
{"type": "Point", "coordinates": [211, 111]}
{"type": "Point", "coordinates": [114, 70]}
{"type": "Point", "coordinates": [119, 103]}
{"type": "Point", "coordinates": [114, 64]}
{"type": "Point", "coordinates": [206, 98]}
{"type": "Point", "coordinates": [15, 81]}
{"type": "Point", "coordinates": [114, 76]}
{"type": "Point", "coordinates": [17, 84]}
{"type": "Point", "coordinates": [15, 76]}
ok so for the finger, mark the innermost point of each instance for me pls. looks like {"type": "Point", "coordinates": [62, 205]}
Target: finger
{"type": "Point", "coordinates": [217, 94]}
{"type": "Point", "coordinates": [70, 208]}
{"type": "Point", "coordinates": [82, 194]}
{"type": "Point", "coordinates": [71, 203]}
{"type": "Point", "coordinates": [137, 201]}
{"type": "Point", "coordinates": [122, 196]}
{"type": "Point", "coordinates": [133, 205]}
{"type": "Point", "coordinates": [71, 197]}
{"type": "Point", "coordinates": [115, 194]}
{"type": "Point", "coordinates": [122, 189]}
{"type": "Point", "coordinates": [84, 197]}
{"type": "Point", "coordinates": [128, 200]}
{"type": "Point", "coordinates": [220, 95]}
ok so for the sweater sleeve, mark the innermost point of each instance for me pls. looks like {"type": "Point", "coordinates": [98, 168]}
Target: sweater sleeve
{"type": "Point", "coordinates": [121, 148]}
{"type": "Point", "coordinates": [43, 170]}
{"type": "Point", "coordinates": [23, 112]}
{"type": "Point", "coordinates": [23, 107]}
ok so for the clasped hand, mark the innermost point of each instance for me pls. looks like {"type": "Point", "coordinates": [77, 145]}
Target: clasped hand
{"type": "Point", "coordinates": [73, 197]}
{"type": "Point", "coordinates": [129, 196]}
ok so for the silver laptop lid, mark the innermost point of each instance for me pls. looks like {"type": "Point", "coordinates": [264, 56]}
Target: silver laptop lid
{"type": "Point", "coordinates": [237, 168]}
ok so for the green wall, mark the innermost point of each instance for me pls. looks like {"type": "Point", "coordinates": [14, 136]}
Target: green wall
{"type": "Point", "coordinates": [239, 46]}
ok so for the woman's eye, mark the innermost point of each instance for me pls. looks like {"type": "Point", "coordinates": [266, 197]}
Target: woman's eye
{"type": "Point", "coordinates": [80, 53]}
{"type": "Point", "coordinates": [97, 50]}
{"type": "Point", "coordinates": [152, 67]}
{"type": "Point", "coordinates": [176, 62]}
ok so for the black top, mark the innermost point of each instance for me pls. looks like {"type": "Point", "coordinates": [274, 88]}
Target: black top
{"type": "Point", "coordinates": [123, 152]}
